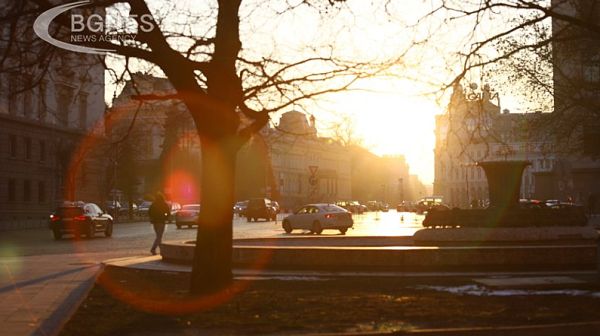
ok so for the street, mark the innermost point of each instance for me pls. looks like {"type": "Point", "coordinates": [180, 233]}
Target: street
{"type": "Point", "coordinates": [136, 238]}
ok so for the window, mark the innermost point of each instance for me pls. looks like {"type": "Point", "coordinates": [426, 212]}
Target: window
{"type": "Point", "coordinates": [42, 101]}
{"type": "Point", "coordinates": [41, 192]}
{"type": "Point", "coordinates": [12, 146]}
{"type": "Point", "coordinates": [42, 151]}
{"type": "Point", "coordinates": [64, 95]}
{"type": "Point", "coordinates": [28, 104]}
{"type": "Point", "coordinates": [591, 70]}
{"type": "Point", "coordinates": [13, 96]}
{"type": "Point", "coordinates": [83, 111]}
{"type": "Point", "coordinates": [27, 191]}
{"type": "Point", "coordinates": [27, 148]}
{"type": "Point", "coordinates": [12, 190]}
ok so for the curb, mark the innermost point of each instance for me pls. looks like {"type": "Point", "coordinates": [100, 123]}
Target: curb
{"type": "Point", "coordinates": [80, 298]}
{"type": "Point", "coordinates": [579, 329]}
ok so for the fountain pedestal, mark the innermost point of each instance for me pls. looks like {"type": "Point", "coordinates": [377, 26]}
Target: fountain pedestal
{"type": "Point", "coordinates": [506, 219]}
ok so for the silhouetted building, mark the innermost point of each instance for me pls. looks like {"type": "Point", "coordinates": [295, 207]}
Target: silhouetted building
{"type": "Point", "coordinates": [576, 68]}
{"type": "Point", "coordinates": [291, 164]}
{"type": "Point", "coordinates": [474, 130]}
{"type": "Point", "coordinates": [156, 143]}
{"type": "Point", "coordinates": [52, 137]}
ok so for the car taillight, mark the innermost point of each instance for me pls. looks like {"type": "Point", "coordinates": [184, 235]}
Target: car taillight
{"type": "Point", "coordinates": [329, 216]}
{"type": "Point", "coordinates": [54, 218]}
{"type": "Point", "coordinates": [80, 218]}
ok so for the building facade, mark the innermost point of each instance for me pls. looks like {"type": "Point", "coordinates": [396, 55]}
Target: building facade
{"type": "Point", "coordinates": [52, 138]}
{"type": "Point", "coordinates": [576, 80]}
{"type": "Point", "coordinates": [294, 165]}
{"type": "Point", "coordinates": [156, 143]}
{"type": "Point", "coordinates": [475, 130]}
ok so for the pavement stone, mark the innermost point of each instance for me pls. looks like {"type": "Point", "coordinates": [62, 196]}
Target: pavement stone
{"type": "Point", "coordinates": [40, 293]}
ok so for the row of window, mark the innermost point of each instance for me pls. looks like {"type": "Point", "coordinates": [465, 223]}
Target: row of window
{"type": "Point", "coordinates": [24, 148]}
{"type": "Point", "coordinates": [32, 103]}
{"type": "Point", "coordinates": [32, 191]}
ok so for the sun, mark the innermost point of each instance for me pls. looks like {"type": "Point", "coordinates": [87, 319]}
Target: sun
{"type": "Point", "coordinates": [393, 123]}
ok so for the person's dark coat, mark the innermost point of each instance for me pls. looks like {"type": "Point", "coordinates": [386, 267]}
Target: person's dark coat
{"type": "Point", "coordinates": [159, 211]}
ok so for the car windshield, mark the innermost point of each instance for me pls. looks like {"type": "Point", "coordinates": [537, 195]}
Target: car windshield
{"type": "Point", "coordinates": [69, 211]}
{"type": "Point", "coordinates": [191, 207]}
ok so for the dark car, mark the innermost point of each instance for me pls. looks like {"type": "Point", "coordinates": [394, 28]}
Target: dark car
{"type": "Point", "coordinates": [80, 218]}
{"type": "Point", "coordinates": [352, 206]}
{"type": "Point", "coordinates": [260, 208]}
{"type": "Point", "coordinates": [124, 210]}
{"type": "Point", "coordinates": [143, 209]}
{"type": "Point", "coordinates": [187, 215]}
{"type": "Point", "coordinates": [175, 206]}
{"type": "Point", "coordinates": [113, 207]}
{"type": "Point", "coordinates": [240, 208]}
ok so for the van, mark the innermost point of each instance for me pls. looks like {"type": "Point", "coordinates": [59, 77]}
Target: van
{"type": "Point", "coordinates": [260, 208]}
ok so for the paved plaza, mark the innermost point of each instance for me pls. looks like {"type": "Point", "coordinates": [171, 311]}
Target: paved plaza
{"type": "Point", "coordinates": [40, 291]}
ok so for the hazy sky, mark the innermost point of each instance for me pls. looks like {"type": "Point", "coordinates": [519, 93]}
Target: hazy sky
{"type": "Point", "coordinates": [392, 114]}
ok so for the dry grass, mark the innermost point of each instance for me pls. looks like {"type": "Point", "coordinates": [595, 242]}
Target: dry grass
{"type": "Point", "coordinates": [134, 303]}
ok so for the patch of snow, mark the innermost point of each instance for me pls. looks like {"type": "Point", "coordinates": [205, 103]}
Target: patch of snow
{"type": "Point", "coordinates": [483, 291]}
{"type": "Point", "coordinates": [282, 278]}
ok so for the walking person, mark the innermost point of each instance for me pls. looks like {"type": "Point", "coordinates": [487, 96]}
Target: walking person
{"type": "Point", "coordinates": [158, 213]}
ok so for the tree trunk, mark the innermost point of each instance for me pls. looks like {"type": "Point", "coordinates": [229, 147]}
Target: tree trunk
{"type": "Point", "coordinates": [212, 266]}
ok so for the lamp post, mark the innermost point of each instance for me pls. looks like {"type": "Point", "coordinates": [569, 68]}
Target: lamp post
{"type": "Point", "coordinates": [115, 210]}
{"type": "Point", "coordinates": [467, 180]}
{"type": "Point", "coordinates": [401, 187]}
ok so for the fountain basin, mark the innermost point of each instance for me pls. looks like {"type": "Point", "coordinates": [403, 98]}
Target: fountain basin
{"type": "Point", "coordinates": [382, 254]}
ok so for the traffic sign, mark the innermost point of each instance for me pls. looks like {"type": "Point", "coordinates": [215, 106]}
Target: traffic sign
{"type": "Point", "coordinates": [313, 170]}
{"type": "Point", "coordinates": [312, 181]}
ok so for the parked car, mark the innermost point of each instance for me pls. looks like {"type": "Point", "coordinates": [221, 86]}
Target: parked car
{"type": "Point", "coordinates": [383, 207]}
{"type": "Point", "coordinates": [113, 207]}
{"type": "Point", "coordinates": [407, 206]}
{"type": "Point", "coordinates": [124, 210]}
{"type": "Point", "coordinates": [363, 208]}
{"type": "Point", "coordinates": [372, 206]}
{"type": "Point", "coordinates": [352, 206]}
{"type": "Point", "coordinates": [143, 209]}
{"type": "Point", "coordinates": [260, 208]}
{"type": "Point", "coordinates": [240, 208]}
{"type": "Point", "coordinates": [319, 217]}
{"type": "Point", "coordinates": [187, 215]}
{"type": "Point", "coordinates": [533, 204]}
{"type": "Point", "coordinates": [174, 208]}
{"type": "Point", "coordinates": [80, 218]}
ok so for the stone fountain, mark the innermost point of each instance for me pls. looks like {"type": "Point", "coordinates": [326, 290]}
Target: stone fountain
{"type": "Point", "coordinates": [506, 219]}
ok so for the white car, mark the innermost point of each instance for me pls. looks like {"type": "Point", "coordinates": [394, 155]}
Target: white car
{"type": "Point", "coordinates": [319, 217]}
{"type": "Point", "coordinates": [187, 215]}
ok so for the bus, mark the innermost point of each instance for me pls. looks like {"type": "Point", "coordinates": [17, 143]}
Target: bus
{"type": "Point", "coordinates": [429, 202]}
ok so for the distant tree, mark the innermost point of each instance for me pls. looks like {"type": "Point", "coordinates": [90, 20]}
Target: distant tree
{"type": "Point", "coordinates": [346, 134]}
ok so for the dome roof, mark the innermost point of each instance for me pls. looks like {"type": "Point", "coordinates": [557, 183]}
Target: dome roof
{"type": "Point", "coordinates": [294, 122]}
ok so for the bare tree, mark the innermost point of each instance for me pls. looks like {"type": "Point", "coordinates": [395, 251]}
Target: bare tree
{"type": "Point", "coordinates": [542, 52]}
{"type": "Point", "coordinates": [229, 90]}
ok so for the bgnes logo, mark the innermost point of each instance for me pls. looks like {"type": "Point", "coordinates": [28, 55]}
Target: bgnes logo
{"type": "Point", "coordinates": [93, 23]}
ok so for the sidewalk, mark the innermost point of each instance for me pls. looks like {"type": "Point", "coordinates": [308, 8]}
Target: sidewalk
{"type": "Point", "coordinates": [40, 293]}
